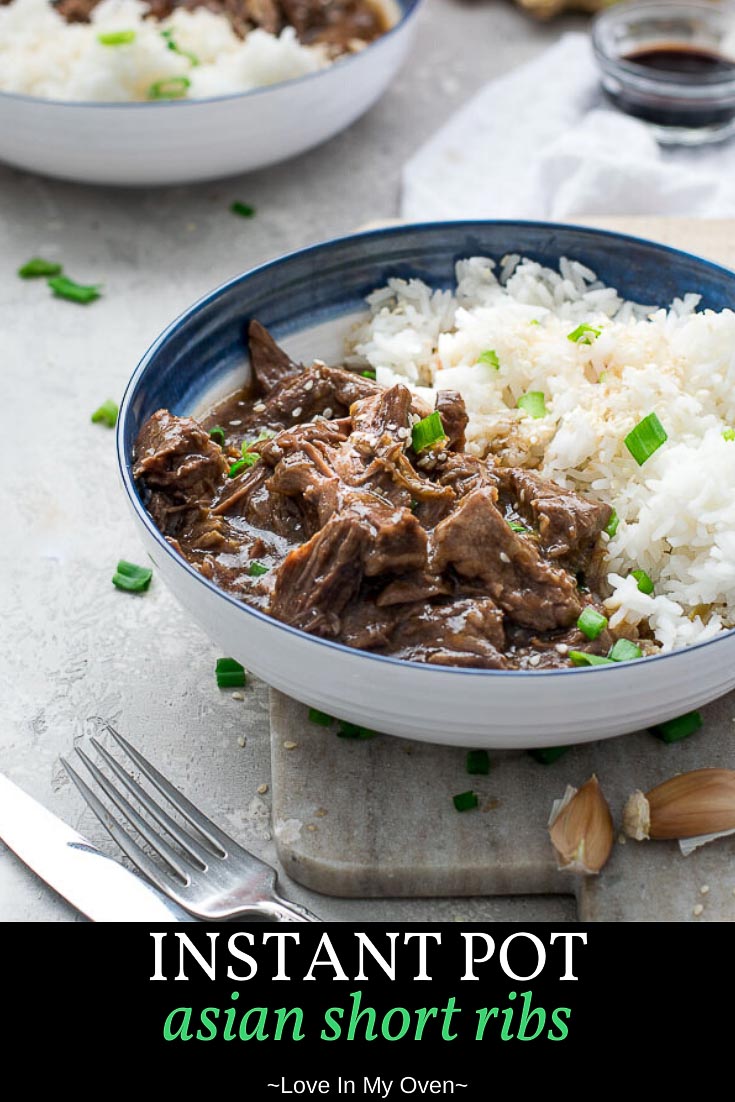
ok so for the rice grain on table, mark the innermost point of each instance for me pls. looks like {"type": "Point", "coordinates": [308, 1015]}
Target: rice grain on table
{"type": "Point", "coordinates": [677, 510]}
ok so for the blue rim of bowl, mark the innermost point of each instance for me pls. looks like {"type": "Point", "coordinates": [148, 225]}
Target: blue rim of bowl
{"type": "Point", "coordinates": [408, 8]}
{"type": "Point", "coordinates": [125, 463]}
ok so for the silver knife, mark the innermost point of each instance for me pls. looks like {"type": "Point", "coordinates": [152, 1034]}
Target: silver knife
{"type": "Point", "coordinates": [97, 885]}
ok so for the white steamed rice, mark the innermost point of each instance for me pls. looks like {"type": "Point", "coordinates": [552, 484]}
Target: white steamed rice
{"type": "Point", "coordinates": [43, 55]}
{"type": "Point", "coordinates": [677, 511]}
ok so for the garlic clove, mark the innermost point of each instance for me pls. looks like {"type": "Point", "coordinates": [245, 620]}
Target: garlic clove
{"type": "Point", "coordinates": [690, 805]}
{"type": "Point", "coordinates": [581, 829]}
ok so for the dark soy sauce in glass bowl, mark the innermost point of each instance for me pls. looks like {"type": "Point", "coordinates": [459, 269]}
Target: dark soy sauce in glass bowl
{"type": "Point", "coordinates": [669, 65]}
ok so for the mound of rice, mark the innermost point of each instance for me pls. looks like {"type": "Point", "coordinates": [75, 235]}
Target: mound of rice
{"type": "Point", "coordinates": [677, 510]}
{"type": "Point", "coordinates": [43, 55]}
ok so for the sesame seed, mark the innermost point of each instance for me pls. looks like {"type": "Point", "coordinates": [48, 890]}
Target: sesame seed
{"type": "Point", "coordinates": [309, 385]}
{"type": "Point", "coordinates": [562, 648]}
{"type": "Point", "coordinates": [441, 456]}
{"type": "Point", "coordinates": [311, 826]}
{"type": "Point", "coordinates": [241, 741]}
{"type": "Point", "coordinates": [262, 789]}
{"type": "Point", "coordinates": [402, 434]}
{"type": "Point", "coordinates": [622, 840]}
{"type": "Point", "coordinates": [415, 418]}
{"type": "Point", "coordinates": [328, 412]}
{"type": "Point", "coordinates": [319, 363]}
{"type": "Point", "coordinates": [288, 745]}
{"type": "Point", "coordinates": [238, 696]}
{"type": "Point", "coordinates": [320, 813]}
{"type": "Point", "coordinates": [296, 412]}
{"type": "Point", "coordinates": [534, 660]}
{"type": "Point", "coordinates": [235, 422]}
{"type": "Point", "coordinates": [504, 557]}
{"type": "Point", "coordinates": [259, 407]}
{"type": "Point", "coordinates": [698, 910]}
{"type": "Point", "coordinates": [704, 889]}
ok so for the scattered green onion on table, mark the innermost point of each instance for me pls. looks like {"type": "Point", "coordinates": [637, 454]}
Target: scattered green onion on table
{"type": "Point", "coordinates": [130, 577]}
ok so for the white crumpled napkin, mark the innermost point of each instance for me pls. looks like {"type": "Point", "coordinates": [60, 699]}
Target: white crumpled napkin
{"type": "Point", "coordinates": [542, 142]}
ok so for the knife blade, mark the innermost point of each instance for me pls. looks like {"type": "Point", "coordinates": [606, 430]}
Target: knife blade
{"type": "Point", "coordinates": [97, 885]}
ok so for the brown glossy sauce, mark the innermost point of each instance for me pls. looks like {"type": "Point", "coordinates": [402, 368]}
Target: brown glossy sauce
{"type": "Point", "coordinates": [682, 59]}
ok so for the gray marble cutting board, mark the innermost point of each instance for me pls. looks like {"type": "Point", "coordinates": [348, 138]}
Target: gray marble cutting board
{"type": "Point", "coordinates": [376, 819]}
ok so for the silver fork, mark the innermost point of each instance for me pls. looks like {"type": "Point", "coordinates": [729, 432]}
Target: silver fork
{"type": "Point", "coordinates": [212, 877]}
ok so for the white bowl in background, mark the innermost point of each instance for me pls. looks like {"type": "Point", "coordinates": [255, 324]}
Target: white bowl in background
{"type": "Point", "coordinates": [189, 141]}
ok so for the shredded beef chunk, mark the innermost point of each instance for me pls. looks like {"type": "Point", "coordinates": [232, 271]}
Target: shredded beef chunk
{"type": "Point", "coordinates": [339, 25]}
{"type": "Point", "coordinates": [436, 557]}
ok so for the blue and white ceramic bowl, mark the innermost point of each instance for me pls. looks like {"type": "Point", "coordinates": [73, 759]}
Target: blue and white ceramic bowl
{"type": "Point", "coordinates": [309, 300]}
{"type": "Point", "coordinates": [188, 141]}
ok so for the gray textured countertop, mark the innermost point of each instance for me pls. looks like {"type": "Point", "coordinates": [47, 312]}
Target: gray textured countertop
{"type": "Point", "coordinates": [74, 648]}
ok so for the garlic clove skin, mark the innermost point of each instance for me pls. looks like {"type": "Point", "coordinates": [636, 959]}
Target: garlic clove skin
{"type": "Point", "coordinates": [690, 805]}
{"type": "Point", "coordinates": [581, 829]}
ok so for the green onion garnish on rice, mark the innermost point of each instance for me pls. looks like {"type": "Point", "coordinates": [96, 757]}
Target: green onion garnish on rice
{"type": "Point", "coordinates": [218, 435]}
{"type": "Point", "coordinates": [168, 35]}
{"type": "Point", "coordinates": [548, 754]}
{"type": "Point", "coordinates": [36, 267]}
{"type": "Point", "coordinates": [134, 579]}
{"type": "Point", "coordinates": [533, 404]}
{"type": "Point", "coordinates": [646, 438]}
{"type": "Point", "coordinates": [427, 432]}
{"type": "Point", "coordinates": [516, 527]}
{"type": "Point", "coordinates": [584, 334]}
{"type": "Point", "coordinates": [369, 374]}
{"type": "Point", "coordinates": [107, 412]}
{"type": "Point", "coordinates": [625, 651]}
{"type": "Point", "coordinates": [729, 435]}
{"type": "Point", "coordinates": [582, 658]}
{"type": "Point", "coordinates": [116, 38]}
{"type": "Point", "coordinates": [465, 801]}
{"type": "Point", "coordinates": [229, 673]}
{"type": "Point", "coordinates": [591, 623]}
{"type": "Point", "coordinates": [676, 729]}
{"type": "Point", "coordinates": [256, 569]}
{"type": "Point", "coordinates": [169, 88]}
{"type": "Point", "coordinates": [489, 357]}
{"type": "Point", "coordinates": [249, 459]}
{"type": "Point", "coordinates": [478, 762]}
{"type": "Point", "coordinates": [63, 287]}
{"type": "Point", "coordinates": [644, 582]}
{"type": "Point", "coordinates": [612, 525]}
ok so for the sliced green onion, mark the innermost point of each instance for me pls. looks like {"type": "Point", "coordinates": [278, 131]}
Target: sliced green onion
{"type": "Point", "coordinates": [534, 321]}
{"type": "Point", "coordinates": [729, 435]}
{"type": "Point", "coordinates": [256, 569]}
{"type": "Point", "coordinates": [582, 658]}
{"type": "Point", "coordinates": [248, 460]}
{"type": "Point", "coordinates": [465, 801]}
{"type": "Point", "coordinates": [169, 88]}
{"type": "Point", "coordinates": [354, 730]}
{"type": "Point", "coordinates": [612, 525]}
{"type": "Point", "coordinates": [644, 582]}
{"type": "Point", "coordinates": [63, 287]}
{"type": "Point", "coordinates": [168, 35]}
{"type": "Point", "coordinates": [427, 432]}
{"type": "Point", "coordinates": [533, 404]}
{"type": "Point", "coordinates": [230, 674]}
{"type": "Point", "coordinates": [315, 716]}
{"type": "Point", "coordinates": [548, 754]}
{"type": "Point", "coordinates": [218, 435]}
{"type": "Point", "coordinates": [625, 651]}
{"type": "Point", "coordinates": [516, 527]}
{"type": "Point", "coordinates": [243, 209]}
{"type": "Point", "coordinates": [36, 267]}
{"type": "Point", "coordinates": [591, 623]}
{"type": "Point", "coordinates": [584, 334]}
{"type": "Point", "coordinates": [133, 578]}
{"type": "Point", "coordinates": [489, 357]}
{"type": "Point", "coordinates": [646, 438]}
{"type": "Point", "coordinates": [116, 38]}
{"type": "Point", "coordinates": [107, 412]}
{"type": "Point", "coordinates": [478, 761]}
{"type": "Point", "coordinates": [676, 729]}
{"type": "Point", "coordinates": [370, 374]}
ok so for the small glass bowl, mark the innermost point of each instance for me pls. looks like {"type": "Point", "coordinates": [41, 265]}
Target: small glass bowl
{"type": "Point", "coordinates": [683, 108]}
